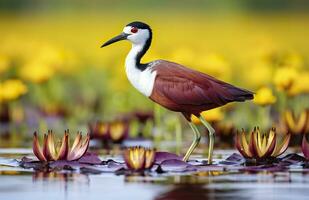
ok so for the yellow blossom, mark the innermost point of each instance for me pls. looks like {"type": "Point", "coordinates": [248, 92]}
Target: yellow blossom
{"type": "Point", "coordinates": [139, 158]}
{"type": "Point", "coordinates": [51, 55]}
{"type": "Point", "coordinates": [262, 74]}
{"type": "Point", "coordinates": [12, 89]}
{"type": "Point", "coordinates": [264, 96]}
{"type": "Point", "coordinates": [300, 85]}
{"type": "Point", "coordinates": [215, 65]}
{"type": "Point", "coordinates": [36, 72]}
{"type": "Point", "coordinates": [261, 146]}
{"type": "Point", "coordinates": [284, 77]}
{"type": "Point", "coordinates": [212, 115]}
{"type": "Point", "coordinates": [4, 63]}
{"type": "Point", "coordinates": [183, 55]}
{"type": "Point", "coordinates": [297, 124]}
{"type": "Point", "coordinates": [293, 60]}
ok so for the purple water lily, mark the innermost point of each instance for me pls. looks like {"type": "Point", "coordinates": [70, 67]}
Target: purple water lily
{"type": "Point", "coordinates": [139, 158]}
{"type": "Point", "coordinates": [261, 146]}
{"type": "Point", "coordinates": [115, 131]}
{"type": "Point", "coordinates": [50, 152]}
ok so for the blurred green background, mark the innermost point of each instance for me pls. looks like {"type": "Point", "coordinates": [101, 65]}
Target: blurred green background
{"type": "Point", "coordinates": [54, 74]}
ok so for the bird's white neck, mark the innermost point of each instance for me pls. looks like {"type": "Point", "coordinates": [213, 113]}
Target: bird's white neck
{"type": "Point", "coordinates": [142, 80]}
{"type": "Point", "coordinates": [131, 59]}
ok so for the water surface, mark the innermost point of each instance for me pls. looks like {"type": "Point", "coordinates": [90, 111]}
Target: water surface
{"type": "Point", "coordinates": [18, 183]}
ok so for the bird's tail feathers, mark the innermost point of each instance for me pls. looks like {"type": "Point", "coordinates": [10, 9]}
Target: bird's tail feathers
{"type": "Point", "coordinates": [240, 94]}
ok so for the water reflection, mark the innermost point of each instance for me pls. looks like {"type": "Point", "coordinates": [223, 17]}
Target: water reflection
{"type": "Point", "coordinates": [63, 183]}
{"type": "Point", "coordinates": [62, 180]}
{"type": "Point", "coordinates": [200, 192]}
{"type": "Point", "coordinates": [59, 177]}
{"type": "Point", "coordinates": [212, 178]}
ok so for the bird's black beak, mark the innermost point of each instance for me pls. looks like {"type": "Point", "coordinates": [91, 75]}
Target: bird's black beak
{"type": "Point", "coordinates": [120, 37]}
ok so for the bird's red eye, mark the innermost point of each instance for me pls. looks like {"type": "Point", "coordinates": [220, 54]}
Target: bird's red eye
{"type": "Point", "coordinates": [134, 30]}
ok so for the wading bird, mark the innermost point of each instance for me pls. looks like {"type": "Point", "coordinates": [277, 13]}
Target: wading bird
{"type": "Point", "coordinates": [174, 86]}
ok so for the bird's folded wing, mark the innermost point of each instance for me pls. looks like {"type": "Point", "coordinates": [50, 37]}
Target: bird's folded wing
{"type": "Point", "coordinates": [187, 92]}
{"type": "Point", "coordinates": [188, 87]}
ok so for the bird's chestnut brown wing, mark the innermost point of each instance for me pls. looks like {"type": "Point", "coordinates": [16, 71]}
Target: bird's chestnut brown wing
{"type": "Point", "coordinates": [184, 86]}
{"type": "Point", "coordinates": [184, 91]}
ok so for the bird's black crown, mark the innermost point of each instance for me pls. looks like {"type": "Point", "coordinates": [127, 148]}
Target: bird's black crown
{"type": "Point", "coordinates": [139, 25]}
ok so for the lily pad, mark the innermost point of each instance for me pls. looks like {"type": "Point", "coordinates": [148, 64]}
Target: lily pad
{"type": "Point", "coordinates": [174, 165]}
{"type": "Point", "coordinates": [110, 167]}
{"type": "Point", "coordinates": [163, 156]}
{"type": "Point", "coordinates": [86, 160]}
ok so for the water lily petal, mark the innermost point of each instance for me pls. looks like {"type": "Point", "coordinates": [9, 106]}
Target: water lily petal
{"type": "Point", "coordinates": [271, 143]}
{"type": "Point", "coordinates": [99, 130]}
{"type": "Point", "coordinates": [242, 144]}
{"type": "Point", "coordinates": [64, 149]}
{"type": "Point", "coordinates": [79, 152]}
{"type": "Point", "coordinates": [259, 149]}
{"type": "Point", "coordinates": [139, 158]}
{"type": "Point", "coordinates": [37, 148]}
{"type": "Point", "coordinates": [261, 146]}
{"type": "Point", "coordinates": [296, 125]}
{"type": "Point", "coordinates": [51, 149]}
{"type": "Point", "coordinates": [118, 131]}
{"type": "Point", "coordinates": [305, 147]}
{"type": "Point", "coordinates": [149, 158]}
{"type": "Point", "coordinates": [135, 158]}
{"type": "Point", "coordinates": [102, 129]}
{"type": "Point", "coordinates": [253, 144]}
{"type": "Point", "coordinates": [77, 141]}
{"type": "Point", "coordinates": [75, 147]}
{"type": "Point", "coordinates": [282, 147]}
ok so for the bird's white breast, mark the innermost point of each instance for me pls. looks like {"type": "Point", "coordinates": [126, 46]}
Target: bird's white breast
{"type": "Point", "coordinates": [143, 81]}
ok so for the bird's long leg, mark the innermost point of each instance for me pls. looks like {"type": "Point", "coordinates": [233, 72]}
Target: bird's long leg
{"type": "Point", "coordinates": [211, 138]}
{"type": "Point", "coordinates": [197, 138]}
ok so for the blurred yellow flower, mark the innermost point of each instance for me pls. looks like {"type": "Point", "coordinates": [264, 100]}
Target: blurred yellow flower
{"type": "Point", "coordinates": [297, 124]}
{"type": "Point", "coordinates": [300, 85]}
{"type": "Point", "coordinates": [61, 60]}
{"type": "Point", "coordinates": [12, 89]}
{"type": "Point", "coordinates": [293, 60]}
{"type": "Point", "coordinates": [212, 115]}
{"type": "Point", "coordinates": [215, 65]}
{"type": "Point", "coordinates": [36, 72]}
{"type": "Point", "coordinates": [185, 56]}
{"type": "Point", "coordinates": [4, 63]}
{"type": "Point", "coordinates": [262, 74]}
{"type": "Point", "coordinates": [266, 49]}
{"type": "Point", "coordinates": [284, 77]}
{"type": "Point", "coordinates": [51, 55]}
{"type": "Point", "coordinates": [264, 96]}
